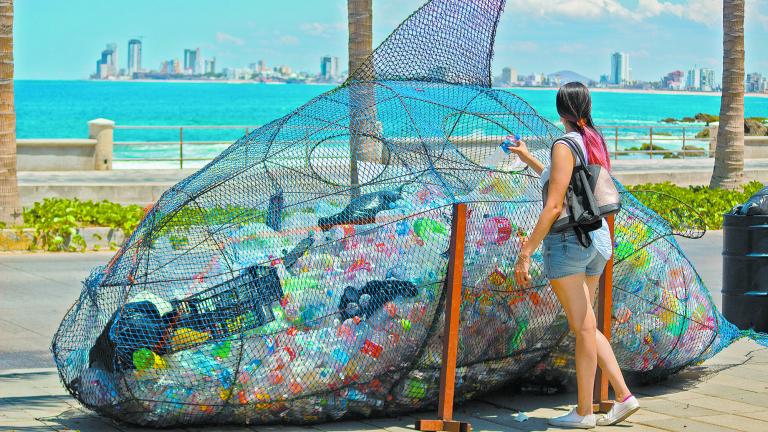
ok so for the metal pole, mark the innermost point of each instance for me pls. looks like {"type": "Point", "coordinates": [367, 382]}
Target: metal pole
{"type": "Point", "coordinates": [616, 144]}
{"type": "Point", "coordinates": [683, 152]}
{"type": "Point", "coordinates": [181, 148]}
{"type": "Point", "coordinates": [453, 296]}
{"type": "Point", "coordinates": [651, 135]}
{"type": "Point", "coordinates": [603, 315]}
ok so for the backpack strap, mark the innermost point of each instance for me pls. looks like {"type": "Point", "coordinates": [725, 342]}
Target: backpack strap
{"type": "Point", "coordinates": [575, 149]}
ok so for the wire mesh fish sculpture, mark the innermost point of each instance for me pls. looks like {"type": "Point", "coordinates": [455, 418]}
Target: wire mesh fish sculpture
{"type": "Point", "coordinates": [299, 277]}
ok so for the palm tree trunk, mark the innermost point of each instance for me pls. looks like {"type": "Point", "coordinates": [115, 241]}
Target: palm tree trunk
{"type": "Point", "coordinates": [729, 154]}
{"type": "Point", "coordinates": [361, 97]}
{"type": "Point", "coordinates": [10, 207]}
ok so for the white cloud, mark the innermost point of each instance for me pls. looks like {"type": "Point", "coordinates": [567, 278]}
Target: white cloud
{"type": "Point", "coordinates": [571, 47]}
{"type": "Point", "coordinates": [519, 46]}
{"type": "Point", "coordinates": [289, 40]}
{"type": "Point", "coordinates": [228, 38]}
{"type": "Point", "coordinates": [322, 29]}
{"type": "Point", "coordinates": [569, 8]}
{"type": "Point", "coordinates": [707, 12]}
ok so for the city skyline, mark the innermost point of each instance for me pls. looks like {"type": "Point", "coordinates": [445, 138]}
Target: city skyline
{"type": "Point", "coordinates": [534, 36]}
{"type": "Point", "coordinates": [195, 66]}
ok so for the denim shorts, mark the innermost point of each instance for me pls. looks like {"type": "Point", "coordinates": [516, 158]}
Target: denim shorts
{"type": "Point", "coordinates": [564, 256]}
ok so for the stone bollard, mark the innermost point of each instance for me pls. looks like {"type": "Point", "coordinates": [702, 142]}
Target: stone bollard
{"type": "Point", "coordinates": [712, 139]}
{"type": "Point", "coordinates": [102, 130]}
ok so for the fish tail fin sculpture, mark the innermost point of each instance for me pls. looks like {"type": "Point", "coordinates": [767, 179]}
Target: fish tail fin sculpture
{"type": "Point", "coordinates": [448, 41]}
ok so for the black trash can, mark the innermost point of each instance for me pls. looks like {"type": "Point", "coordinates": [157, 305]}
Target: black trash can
{"type": "Point", "coordinates": [745, 271]}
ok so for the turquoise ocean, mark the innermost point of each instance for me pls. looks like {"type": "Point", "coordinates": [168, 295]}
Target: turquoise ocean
{"type": "Point", "coordinates": [61, 109]}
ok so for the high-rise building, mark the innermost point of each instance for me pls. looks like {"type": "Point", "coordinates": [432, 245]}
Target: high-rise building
{"type": "Point", "coordinates": [193, 61]}
{"type": "Point", "coordinates": [693, 79]}
{"type": "Point", "coordinates": [620, 72]}
{"type": "Point", "coordinates": [673, 80]}
{"type": "Point", "coordinates": [756, 83]}
{"type": "Point", "coordinates": [262, 66]}
{"type": "Point", "coordinates": [134, 56]}
{"type": "Point", "coordinates": [210, 66]}
{"type": "Point", "coordinates": [106, 66]}
{"type": "Point", "coordinates": [113, 59]}
{"type": "Point", "coordinates": [707, 79]}
{"type": "Point", "coordinates": [329, 68]}
{"type": "Point", "coordinates": [508, 76]}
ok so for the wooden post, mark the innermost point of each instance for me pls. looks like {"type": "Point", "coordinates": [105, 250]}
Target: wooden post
{"type": "Point", "coordinates": [601, 403]}
{"type": "Point", "coordinates": [445, 420]}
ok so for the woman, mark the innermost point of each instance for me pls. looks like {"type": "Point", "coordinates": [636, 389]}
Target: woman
{"type": "Point", "coordinates": [572, 269]}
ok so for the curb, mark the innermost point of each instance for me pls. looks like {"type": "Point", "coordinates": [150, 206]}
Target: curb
{"type": "Point", "coordinates": [96, 238]}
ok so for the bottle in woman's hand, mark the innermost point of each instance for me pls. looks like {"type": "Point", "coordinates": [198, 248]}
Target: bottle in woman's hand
{"type": "Point", "coordinates": [508, 147]}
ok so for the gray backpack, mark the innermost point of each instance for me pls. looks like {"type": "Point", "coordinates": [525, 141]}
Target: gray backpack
{"type": "Point", "coordinates": [591, 195]}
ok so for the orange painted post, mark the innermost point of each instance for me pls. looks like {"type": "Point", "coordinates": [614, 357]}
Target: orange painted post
{"type": "Point", "coordinates": [604, 307]}
{"type": "Point", "coordinates": [444, 421]}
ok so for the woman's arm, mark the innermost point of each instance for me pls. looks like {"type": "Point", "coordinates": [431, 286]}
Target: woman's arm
{"type": "Point", "coordinates": [559, 179]}
{"type": "Point", "coordinates": [522, 152]}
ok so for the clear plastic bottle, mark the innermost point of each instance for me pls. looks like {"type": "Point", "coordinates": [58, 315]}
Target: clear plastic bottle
{"type": "Point", "coordinates": [495, 159]}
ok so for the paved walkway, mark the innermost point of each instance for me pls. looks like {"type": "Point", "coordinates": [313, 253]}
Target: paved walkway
{"type": "Point", "coordinates": [146, 185]}
{"type": "Point", "coordinates": [727, 393]}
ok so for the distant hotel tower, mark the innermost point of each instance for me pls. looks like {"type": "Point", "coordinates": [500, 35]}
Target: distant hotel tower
{"type": "Point", "coordinates": [193, 62]}
{"type": "Point", "coordinates": [620, 72]}
{"type": "Point", "coordinates": [106, 66]}
{"type": "Point", "coordinates": [134, 56]}
{"type": "Point", "coordinates": [329, 68]}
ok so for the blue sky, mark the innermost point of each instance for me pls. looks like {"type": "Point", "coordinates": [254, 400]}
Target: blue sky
{"type": "Point", "coordinates": [58, 39]}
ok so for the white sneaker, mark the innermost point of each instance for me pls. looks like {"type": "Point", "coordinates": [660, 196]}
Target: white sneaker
{"type": "Point", "coordinates": [574, 420]}
{"type": "Point", "coordinates": [619, 412]}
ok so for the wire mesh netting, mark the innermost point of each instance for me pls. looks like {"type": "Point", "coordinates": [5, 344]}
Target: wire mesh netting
{"type": "Point", "coordinates": [299, 277]}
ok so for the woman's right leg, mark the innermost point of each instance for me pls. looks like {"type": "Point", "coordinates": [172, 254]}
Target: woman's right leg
{"type": "Point", "coordinates": [573, 296]}
{"type": "Point", "coordinates": [606, 359]}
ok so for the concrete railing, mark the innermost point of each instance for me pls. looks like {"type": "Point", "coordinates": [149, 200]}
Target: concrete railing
{"type": "Point", "coordinates": [96, 152]}
{"type": "Point", "coordinates": [755, 147]}
{"type": "Point", "coordinates": [52, 154]}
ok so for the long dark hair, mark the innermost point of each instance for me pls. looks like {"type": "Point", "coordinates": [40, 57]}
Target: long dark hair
{"type": "Point", "coordinates": [574, 104]}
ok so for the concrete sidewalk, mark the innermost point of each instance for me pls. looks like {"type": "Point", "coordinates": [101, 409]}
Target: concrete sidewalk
{"type": "Point", "coordinates": [142, 186]}
{"type": "Point", "coordinates": [727, 393]}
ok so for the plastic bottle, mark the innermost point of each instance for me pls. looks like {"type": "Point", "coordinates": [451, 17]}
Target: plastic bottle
{"type": "Point", "coordinates": [497, 229]}
{"type": "Point", "coordinates": [502, 151]}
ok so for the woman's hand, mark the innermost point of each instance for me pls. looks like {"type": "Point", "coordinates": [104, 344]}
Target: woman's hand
{"type": "Point", "coordinates": [522, 265]}
{"type": "Point", "coordinates": [521, 150]}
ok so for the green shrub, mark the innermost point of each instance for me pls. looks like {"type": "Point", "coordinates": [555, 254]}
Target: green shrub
{"type": "Point", "coordinates": [56, 220]}
{"type": "Point", "coordinates": [710, 204]}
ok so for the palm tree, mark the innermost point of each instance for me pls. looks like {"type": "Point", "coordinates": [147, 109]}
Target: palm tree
{"type": "Point", "coordinates": [729, 154]}
{"type": "Point", "coordinates": [360, 47]}
{"type": "Point", "coordinates": [10, 206]}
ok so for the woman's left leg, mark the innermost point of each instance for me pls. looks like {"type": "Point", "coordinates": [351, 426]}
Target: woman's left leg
{"type": "Point", "coordinates": [572, 293]}
{"type": "Point", "coordinates": [606, 359]}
